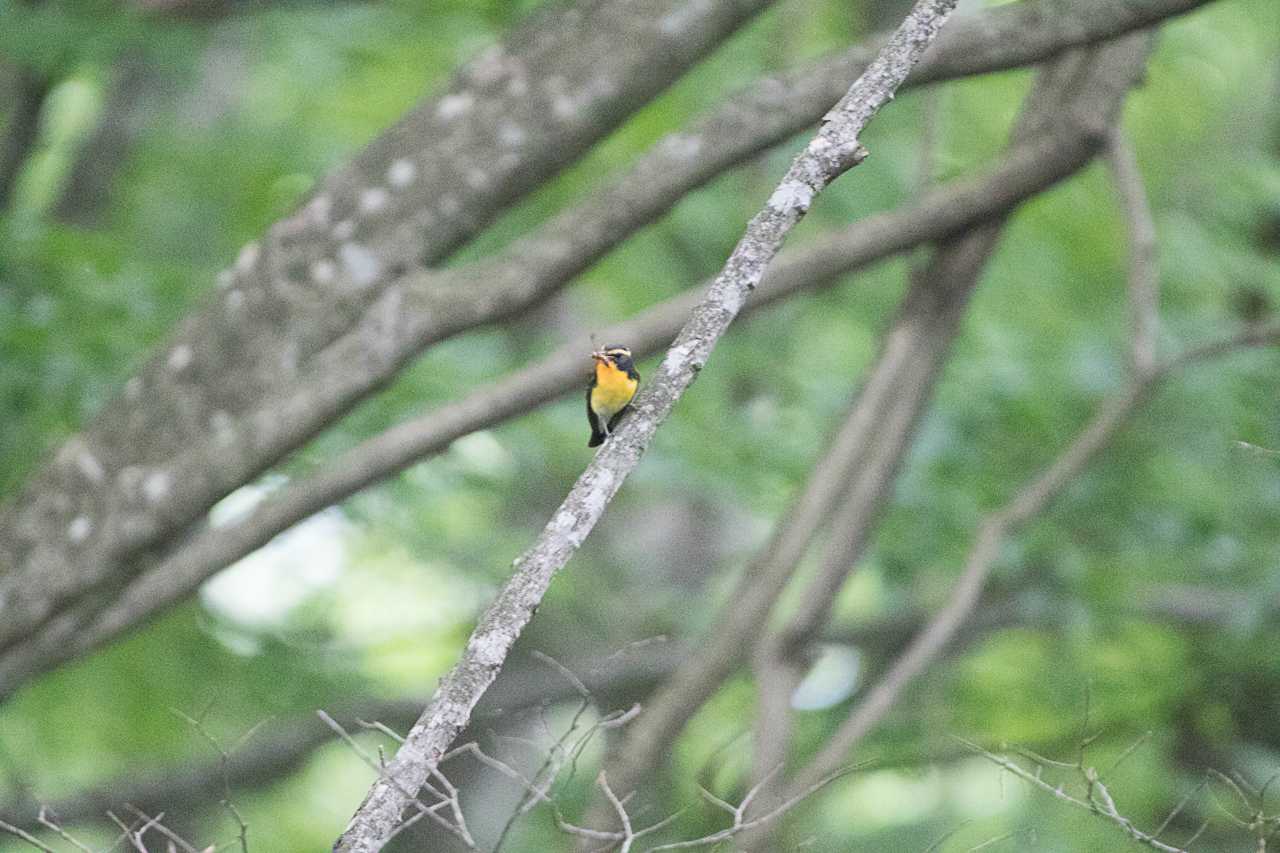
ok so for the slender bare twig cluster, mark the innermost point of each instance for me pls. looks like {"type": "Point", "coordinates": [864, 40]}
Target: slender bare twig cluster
{"type": "Point", "coordinates": [133, 834]}
{"type": "Point", "coordinates": [1094, 797]}
{"type": "Point", "coordinates": [438, 800]}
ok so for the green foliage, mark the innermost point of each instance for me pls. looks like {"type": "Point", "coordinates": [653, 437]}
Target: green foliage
{"type": "Point", "coordinates": [1174, 504]}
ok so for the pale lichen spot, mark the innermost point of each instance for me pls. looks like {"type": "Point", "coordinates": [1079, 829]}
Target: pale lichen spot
{"type": "Point", "coordinates": [225, 279]}
{"type": "Point", "coordinates": [676, 360]}
{"type": "Point", "coordinates": [248, 258]}
{"type": "Point", "coordinates": [156, 486]}
{"type": "Point", "coordinates": [682, 145]}
{"type": "Point", "coordinates": [401, 173]}
{"type": "Point", "coordinates": [133, 388]}
{"type": "Point", "coordinates": [563, 106]}
{"type": "Point", "coordinates": [79, 528]}
{"type": "Point", "coordinates": [732, 300]}
{"type": "Point", "coordinates": [180, 357]}
{"type": "Point", "coordinates": [598, 497]}
{"type": "Point", "coordinates": [678, 22]}
{"type": "Point", "coordinates": [511, 134]}
{"type": "Point", "coordinates": [488, 67]}
{"type": "Point", "coordinates": [477, 179]}
{"type": "Point", "coordinates": [344, 230]}
{"type": "Point", "coordinates": [791, 195]}
{"type": "Point", "coordinates": [318, 210]}
{"type": "Point", "coordinates": [452, 106]}
{"type": "Point", "coordinates": [90, 467]}
{"type": "Point", "coordinates": [563, 522]}
{"type": "Point", "coordinates": [373, 199]}
{"type": "Point", "coordinates": [489, 649]}
{"type": "Point", "coordinates": [235, 298]}
{"type": "Point", "coordinates": [223, 427]}
{"type": "Point", "coordinates": [324, 271]}
{"type": "Point", "coordinates": [362, 266]}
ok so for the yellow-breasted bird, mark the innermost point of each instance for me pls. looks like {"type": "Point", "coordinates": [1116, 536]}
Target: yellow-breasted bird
{"type": "Point", "coordinates": [612, 386]}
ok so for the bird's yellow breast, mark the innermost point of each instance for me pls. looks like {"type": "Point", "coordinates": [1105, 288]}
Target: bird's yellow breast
{"type": "Point", "coordinates": [613, 390]}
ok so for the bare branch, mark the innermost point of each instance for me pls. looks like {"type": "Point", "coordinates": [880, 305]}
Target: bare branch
{"type": "Point", "coordinates": [1103, 806]}
{"type": "Point", "coordinates": [48, 823]}
{"type": "Point", "coordinates": [173, 837]}
{"type": "Point", "coordinates": [1144, 274]}
{"type": "Point", "coordinates": [833, 151]}
{"type": "Point", "coordinates": [25, 836]}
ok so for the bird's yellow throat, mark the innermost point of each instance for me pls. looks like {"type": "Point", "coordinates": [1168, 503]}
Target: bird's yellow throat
{"type": "Point", "coordinates": [614, 389]}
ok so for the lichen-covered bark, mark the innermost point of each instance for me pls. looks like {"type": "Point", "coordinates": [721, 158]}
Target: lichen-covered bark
{"type": "Point", "coordinates": [833, 151]}
{"type": "Point", "coordinates": [249, 376]}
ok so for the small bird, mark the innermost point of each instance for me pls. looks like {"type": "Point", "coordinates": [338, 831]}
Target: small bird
{"type": "Point", "coordinates": [612, 386]}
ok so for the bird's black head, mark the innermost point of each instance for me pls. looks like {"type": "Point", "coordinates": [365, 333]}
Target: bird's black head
{"type": "Point", "coordinates": [617, 356]}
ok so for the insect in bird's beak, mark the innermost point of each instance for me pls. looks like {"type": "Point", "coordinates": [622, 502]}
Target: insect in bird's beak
{"type": "Point", "coordinates": [600, 355]}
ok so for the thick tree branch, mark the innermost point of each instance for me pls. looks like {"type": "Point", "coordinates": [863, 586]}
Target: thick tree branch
{"type": "Point", "coordinates": [833, 151]}
{"type": "Point", "coordinates": [218, 405]}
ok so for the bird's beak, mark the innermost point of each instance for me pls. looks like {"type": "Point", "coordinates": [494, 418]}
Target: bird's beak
{"type": "Point", "coordinates": [599, 355]}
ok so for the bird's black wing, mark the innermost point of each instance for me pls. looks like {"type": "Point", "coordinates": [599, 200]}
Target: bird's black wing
{"type": "Point", "coordinates": [597, 434]}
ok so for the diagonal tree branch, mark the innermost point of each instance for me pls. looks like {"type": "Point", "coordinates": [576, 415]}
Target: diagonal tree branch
{"type": "Point", "coordinates": [833, 151]}
{"type": "Point", "coordinates": [218, 405]}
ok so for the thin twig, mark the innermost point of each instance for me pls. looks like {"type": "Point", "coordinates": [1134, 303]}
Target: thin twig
{"type": "Point", "coordinates": [1104, 806]}
{"type": "Point", "coordinates": [50, 824]}
{"type": "Point", "coordinates": [25, 836]}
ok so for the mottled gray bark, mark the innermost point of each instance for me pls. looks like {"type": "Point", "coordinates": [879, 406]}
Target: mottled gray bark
{"type": "Point", "coordinates": [261, 366]}
{"type": "Point", "coordinates": [833, 151]}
